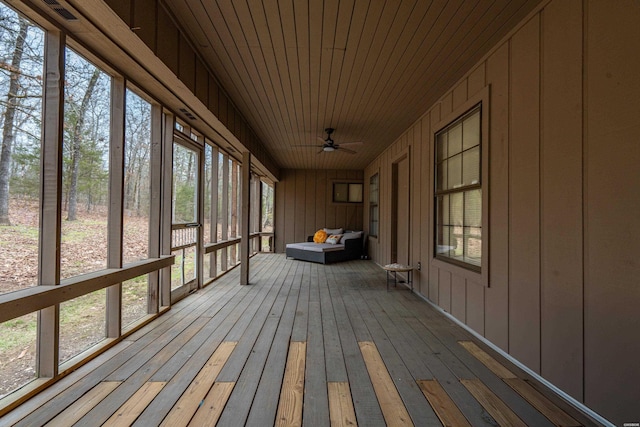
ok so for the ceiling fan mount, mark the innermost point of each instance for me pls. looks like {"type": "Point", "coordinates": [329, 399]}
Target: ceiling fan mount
{"type": "Point", "coordinates": [329, 145]}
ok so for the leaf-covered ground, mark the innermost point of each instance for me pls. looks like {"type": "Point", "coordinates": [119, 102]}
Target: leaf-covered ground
{"type": "Point", "coordinates": [84, 249]}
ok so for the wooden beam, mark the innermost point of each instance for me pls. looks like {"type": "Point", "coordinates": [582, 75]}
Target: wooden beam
{"type": "Point", "coordinates": [50, 202]}
{"type": "Point", "coordinates": [225, 207]}
{"type": "Point", "coordinates": [245, 215]}
{"type": "Point", "coordinates": [28, 300]}
{"type": "Point", "coordinates": [165, 220]}
{"type": "Point", "coordinates": [116, 197]}
{"type": "Point", "coordinates": [444, 407]}
{"type": "Point", "coordinates": [155, 222]}
{"type": "Point", "coordinates": [213, 272]}
{"type": "Point", "coordinates": [341, 409]}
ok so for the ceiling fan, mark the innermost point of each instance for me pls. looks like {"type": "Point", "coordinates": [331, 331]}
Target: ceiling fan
{"type": "Point", "coordinates": [329, 144]}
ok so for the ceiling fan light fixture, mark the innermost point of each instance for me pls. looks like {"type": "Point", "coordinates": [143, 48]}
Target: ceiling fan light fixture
{"type": "Point", "coordinates": [328, 148]}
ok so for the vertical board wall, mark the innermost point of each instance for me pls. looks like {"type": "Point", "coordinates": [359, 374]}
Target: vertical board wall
{"type": "Point", "coordinates": [304, 204]}
{"type": "Point", "coordinates": [564, 120]}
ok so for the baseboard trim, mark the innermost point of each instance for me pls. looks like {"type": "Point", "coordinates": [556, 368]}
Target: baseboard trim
{"type": "Point", "coordinates": [564, 396]}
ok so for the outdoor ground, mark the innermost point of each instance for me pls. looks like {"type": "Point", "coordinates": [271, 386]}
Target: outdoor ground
{"type": "Point", "coordinates": [84, 249]}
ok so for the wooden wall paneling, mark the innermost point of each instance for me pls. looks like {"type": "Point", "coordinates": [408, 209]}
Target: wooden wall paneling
{"type": "Point", "coordinates": [497, 294]}
{"type": "Point", "coordinates": [312, 196]}
{"type": "Point", "coordinates": [300, 233]}
{"type": "Point", "coordinates": [459, 94]}
{"type": "Point", "coordinates": [561, 204]}
{"type": "Point", "coordinates": [475, 307]}
{"type": "Point", "coordinates": [524, 197]}
{"type": "Point", "coordinates": [444, 290]}
{"type": "Point", "coordinates": [321, 201]}
{"type": "Point", "coordinates": [213, 97]}
{"type": "Point", "coordinates": [280, 212]}
{"type": "Point", "coordinates": [122, 8]}
{"type": "Point", "coordinates": [446, 104]}
{"type": "Point", "coordinates": [476, 80]}
{"type": "Point", "coordinates": [612, 156]}
{"type": "Point", "coordinates": [416, 184]}
{"type": "Point", "coordinates": [202, 82]}
{"type": "Point", "coordinates": [222, 107]}
{"type": "Point", "coordinates": [145, 19]}
{"type": "Point", "coordinates": [434, 276]}
{"type": "Point", "coordinates": [331, 207]}
{"type": "Point", "coordinates": [167, 40]}
{"type": "Point", "coordinates": [186, 64]}
{"type": "Point", "coordinates": [459, 297]}
{"type": "Point", "coordinates": [423, 175]}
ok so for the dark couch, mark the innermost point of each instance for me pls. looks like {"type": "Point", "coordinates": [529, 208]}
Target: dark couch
{"type": "Point", "coordinates": [325, 253]}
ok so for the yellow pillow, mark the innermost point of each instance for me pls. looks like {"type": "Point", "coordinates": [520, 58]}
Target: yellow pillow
{"type": "Point", "coordinates": [320, 236]}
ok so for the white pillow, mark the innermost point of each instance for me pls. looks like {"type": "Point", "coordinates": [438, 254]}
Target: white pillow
{"type": "Point", "coordinates": [333, 239]}
{"type": "Point", "coordinates": [331, 231]}
{"type": "Point", "coordinates": [351, 235]}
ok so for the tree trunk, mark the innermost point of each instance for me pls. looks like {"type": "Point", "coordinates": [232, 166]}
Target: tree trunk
{"type": "Point", "coordinates": [9, 117]}
{"type": "Point", "coordinates": [77, 144]}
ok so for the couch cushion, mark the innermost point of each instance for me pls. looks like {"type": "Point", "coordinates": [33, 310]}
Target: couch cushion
{"type": "Point", "coordinates": [351, 235]}
{"type": "Point", "coordinates": [320, 236]}
{"type": "Point", "coordinates": [333, 230]}
{"type": "Point", "coordinates": [333, 239]}
{"type": "Point", "coordinates": [315, 247]}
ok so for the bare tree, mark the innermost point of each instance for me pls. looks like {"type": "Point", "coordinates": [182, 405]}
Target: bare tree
{"type": "Point", "coordinates": [12, 103]}
{"type": "Point", "coordinates": [76, 144]}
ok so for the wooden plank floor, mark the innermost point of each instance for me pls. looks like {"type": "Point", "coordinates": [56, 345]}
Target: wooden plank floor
{"type": "Point", "coordinates": [304, 344]}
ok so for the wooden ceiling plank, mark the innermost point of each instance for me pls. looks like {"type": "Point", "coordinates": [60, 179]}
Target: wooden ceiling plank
{"type": "Point", "coordinates": [238, 33]}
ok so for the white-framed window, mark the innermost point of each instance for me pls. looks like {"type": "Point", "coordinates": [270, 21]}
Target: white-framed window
{"type": "Point", "coordinates": [458, 191]}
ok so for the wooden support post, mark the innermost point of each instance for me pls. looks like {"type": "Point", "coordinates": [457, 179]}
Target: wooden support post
{"type": "Point", "coordinates": [225, 208]}
{"type": "Point", "coordinates": [165, 218]}
{"type": "Point", "coordinates": [153, 297]}
{"type": "Point", "coordinates": [213, 238]}
{"type": "Point", "coordinates": [245, 215]}
{"type": "Point", "coordinates": [51, 202]}
{"type": "Point", "coordinates": [116, 197]}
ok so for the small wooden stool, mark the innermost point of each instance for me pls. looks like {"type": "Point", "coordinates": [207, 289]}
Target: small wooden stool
{"type": "Point", "coordinates": [399, 268]}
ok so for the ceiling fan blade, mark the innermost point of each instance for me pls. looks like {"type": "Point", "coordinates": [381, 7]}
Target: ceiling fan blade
{"type": "Point", "coordinates": [320, 152]}
{"type": "Point", "coordinates": [321, 139]}
{"type": "Point", "coordinates": [342, 144]}
{"type": "Point", "coordinates": [346, 150]}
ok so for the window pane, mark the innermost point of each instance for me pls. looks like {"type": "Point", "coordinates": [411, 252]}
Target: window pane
{"type": "Point", "coordinates": [85, 174]}
{"type": "Point", "coordinates": [134, 299]}
{"type": "Point", "coordinates": [471, 131]}
{"type": "Point", "coordinates": [473, 245]}
{"type": "Point", "coordinates": [185, 185]}
{"type": "Point", "coordinates": [355, 193]}
{"type": "Point", "coordinates": [340, 192]}
{"type": "Point", "coordinates": [17, 352]}
{"type": "Point", "coordinates": [137, 184]}
{"type": "Point", "coordinates": [442, 169]}
{"type": "Point", "coordinates": [473, 208]}
{"type": "Point", "coordinates": [220, 195]}
{"type": "Point", "coordinates": [457, 209]}
{"type": "Point", "coordinates": [455, 172]}
{"type": "Point", "coordinates": [208, 191]}
{"type": "Point", "coordinates": [441, 147]}
{"type": "Point", "coordinates": [267, 208]}
{"type": "Point", "coordinates": [21, 77]}
{"type": "Point", "coordinates": [471, 163]}
{"type": "Point", "coordinates": [82, 323]}
{"type": "Point", "coordinates": [455, 140]}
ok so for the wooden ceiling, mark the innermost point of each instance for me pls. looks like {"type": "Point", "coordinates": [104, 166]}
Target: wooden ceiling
{"type": "Point", "coordinates": [368, 68]}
